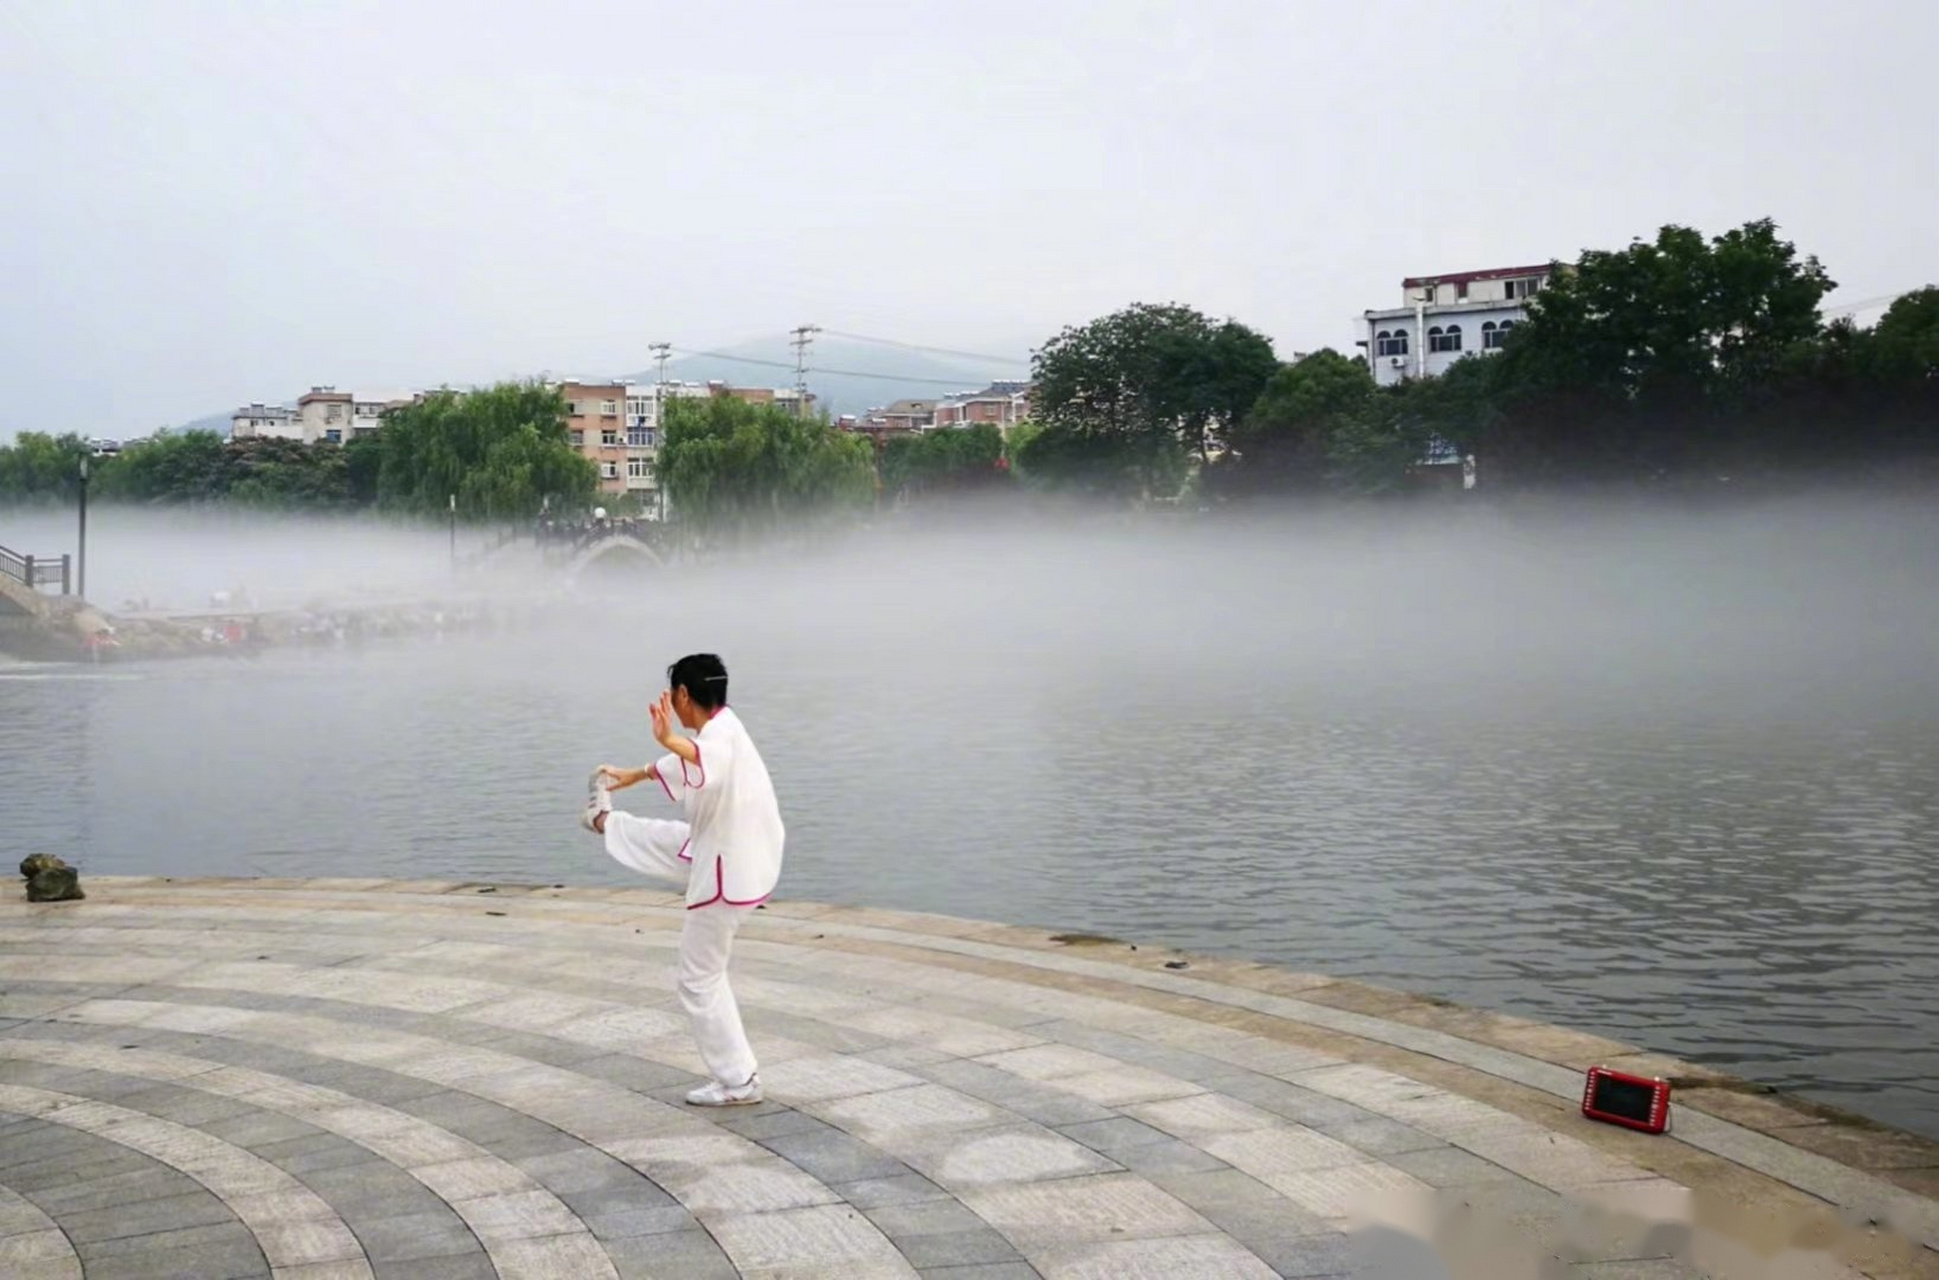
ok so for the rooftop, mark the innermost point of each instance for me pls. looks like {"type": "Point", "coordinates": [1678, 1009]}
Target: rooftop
{"type": "Point", "coordinates": [1469, 277]}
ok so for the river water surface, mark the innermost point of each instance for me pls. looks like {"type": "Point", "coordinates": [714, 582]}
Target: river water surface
{"type": "Point", "coordinates": [1667, 778]}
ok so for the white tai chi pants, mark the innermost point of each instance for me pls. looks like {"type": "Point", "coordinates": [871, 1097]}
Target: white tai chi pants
{"type": "Point", "coordinates": [652, 846]}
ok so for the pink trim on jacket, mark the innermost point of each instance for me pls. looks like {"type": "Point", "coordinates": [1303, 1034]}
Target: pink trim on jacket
{"type": "Point", "coordinates": [720, 893]}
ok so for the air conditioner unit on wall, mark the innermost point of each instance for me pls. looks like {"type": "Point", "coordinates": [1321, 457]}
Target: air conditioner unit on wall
{"type": "Point", "coordinates": [1397, 362]}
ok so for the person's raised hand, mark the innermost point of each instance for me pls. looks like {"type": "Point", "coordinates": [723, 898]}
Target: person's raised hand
{"type": "Point", "coordinates": [664, 721]}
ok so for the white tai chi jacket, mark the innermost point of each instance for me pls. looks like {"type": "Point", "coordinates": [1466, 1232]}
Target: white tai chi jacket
{"type": "Point", "coordinates": [736, 836]}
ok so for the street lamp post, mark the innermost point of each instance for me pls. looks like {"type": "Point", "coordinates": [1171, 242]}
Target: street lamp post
{"type": "Point", "coordinates": [82, 568]}
{"type": "Point", "coordinates": [454, 531]}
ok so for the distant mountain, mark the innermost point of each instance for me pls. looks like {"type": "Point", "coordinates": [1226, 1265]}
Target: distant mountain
{"type": "Point", "coordinates": [844, 376]}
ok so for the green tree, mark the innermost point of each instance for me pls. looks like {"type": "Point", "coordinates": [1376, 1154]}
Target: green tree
{"type": "Point", "coordinates": [952, 459]}
{"type": "Point", "coordinates": [288, 475]}
{"type": "Point", "coordinates": [1377, 450]}
{"type": "Point", "coordinates": [1105, 465]}
{"type": "Point", "coordinates": [38, 468]}
{"type": "Point", "coordinates": [1906, 338]}
{"type": "Point", "coordinates": [363, 461]}
{"type": "Point", "coordinates": [1127, 399]}
{"type": "Point", "coordinates": [738, 470]}
{"type": "Point", "coordinates": [1285, 443]}
{"type": "Point", "coordinates": [501, 452]}
{"type": "Point", "coordinates": [191, 466]}
{"type": "Point", "coordinates": [1639, 363]}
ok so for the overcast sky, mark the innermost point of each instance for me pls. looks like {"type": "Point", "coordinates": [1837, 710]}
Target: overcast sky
{"type": "Point", "coordinates": [204, 204]}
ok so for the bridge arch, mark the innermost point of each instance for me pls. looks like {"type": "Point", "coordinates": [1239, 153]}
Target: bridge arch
{"type": "Point", "coordinates": [614, 545]}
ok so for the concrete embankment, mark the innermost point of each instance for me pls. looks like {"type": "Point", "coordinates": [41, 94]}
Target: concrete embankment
{"type": "Point", "coordinates": [366, 1077]}
{"type": "Point", "coordinates": [44, 628]}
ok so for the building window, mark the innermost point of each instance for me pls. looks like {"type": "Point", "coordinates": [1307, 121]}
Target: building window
{"type": "Point", "coordinates": [1461, 291]}
{"type": "Point", "coordinates": [609, 470]}
{"type": "Point", "coordinates": [333, 436]}
{"type": "Point", "coordinates": [639, 437]}
{"type": "Point", "coordinates": [1493, 335]}
{"type": "Point", "coordinates": [609, 437]}
{"type": "Point", "coordinates": [1443, 340]}
{"type": "Point", "coordinates": [1523, 288]}
{"type": "Point", "coordinates": [578, 439]}
{"type": "Point", "coordinates": [1390, 342]}
{"type": "Point", "coordinates": [609, 408]}
{"type": "Point", "coordinates": [639, 469]}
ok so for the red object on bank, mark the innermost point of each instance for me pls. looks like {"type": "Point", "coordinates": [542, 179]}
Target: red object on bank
{"type": "Point", "coordinates": [1634, 1102]}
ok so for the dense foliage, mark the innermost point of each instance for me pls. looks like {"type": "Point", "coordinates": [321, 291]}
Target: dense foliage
{"type": "Point", "coordinates": [735, 469]}
{"type": "Point", "coordinates": [502, 452]}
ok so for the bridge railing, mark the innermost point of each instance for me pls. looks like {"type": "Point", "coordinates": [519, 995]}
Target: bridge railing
{"type": "Point", "coordinates": [36, 571]}
{"type": "Point", "coordinates": [578, 535]}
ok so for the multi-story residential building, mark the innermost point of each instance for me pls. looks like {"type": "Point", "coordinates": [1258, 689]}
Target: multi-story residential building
{"type": "Point", "coordinates": [907, 415]}
{"type": "Point", "coordinates": [643, 442]}
{"type": "Point", "coordinates": [595, 424]}
{"type": "Point", "coordinates": [265, 421]}
{"type": "Point", "coordinates": [323, 414]}
{"type": "Point", "coordinates": [782, 397]}
{"type": "Point", "coordinates": [643, 425]}
{"type": "Point", "coordinates": [799, 403]}
{"type": "Point", "coordinates": [367, 409]}
{"type": "Point", "coordinates": [1444, 318]}
{"type": "Point", "coordinates": [1002, 404]}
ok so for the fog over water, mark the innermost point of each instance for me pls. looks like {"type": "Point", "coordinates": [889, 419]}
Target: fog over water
{"type": "Point", "coordinates": [1662, 774]}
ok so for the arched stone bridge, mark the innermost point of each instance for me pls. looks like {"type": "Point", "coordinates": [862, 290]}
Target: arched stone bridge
{"type": "Point", "coordinates": [568, 550]}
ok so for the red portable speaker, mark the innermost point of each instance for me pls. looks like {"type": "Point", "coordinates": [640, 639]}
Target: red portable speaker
{"type": "Point", "coordinates": [1634, 1102]}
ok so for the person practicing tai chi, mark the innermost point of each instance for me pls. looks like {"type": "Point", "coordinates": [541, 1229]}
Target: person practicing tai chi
{"type": "Point", "coordinates": [727, 853]}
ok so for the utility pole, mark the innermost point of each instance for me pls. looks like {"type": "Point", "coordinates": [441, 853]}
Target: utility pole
{"type": "Point", "coordinates": [454, 533]}
{"type": "Point", "coordinates": [82, 589]}
{"type": "Point", "coordinates": [803, 338]}
{"type": "Point", "coordinates": [662, 352]}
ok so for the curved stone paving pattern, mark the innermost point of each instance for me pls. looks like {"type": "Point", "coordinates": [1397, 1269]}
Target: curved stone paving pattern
{"type": "Point", "coordinates": [336, 1079]}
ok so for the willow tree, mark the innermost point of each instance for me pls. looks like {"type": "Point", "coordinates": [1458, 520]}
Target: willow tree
{"type": "Point", "coordinates": [501, 452]}
{"type": "Point", "coordinates": [740, 470]}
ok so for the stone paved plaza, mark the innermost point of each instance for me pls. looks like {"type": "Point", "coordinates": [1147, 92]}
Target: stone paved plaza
{"type": "Point", "coordinates": [335, 1079]}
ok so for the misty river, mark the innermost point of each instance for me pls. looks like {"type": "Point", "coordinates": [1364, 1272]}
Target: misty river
{"type": "Point", "coordinates": [1668, 777]}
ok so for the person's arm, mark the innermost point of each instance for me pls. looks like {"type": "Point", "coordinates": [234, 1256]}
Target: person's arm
{"type": "Point", "coordinates": [624, 778]}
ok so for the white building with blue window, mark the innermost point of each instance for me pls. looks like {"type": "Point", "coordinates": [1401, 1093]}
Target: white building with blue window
{"type": "Point", "coordinates": [1442, 319]}
{"type": "Point", "coordinates": [643, 428]}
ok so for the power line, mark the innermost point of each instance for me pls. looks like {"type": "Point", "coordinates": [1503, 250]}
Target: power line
{"type": "Point", "coordinates": [916, 346]}
{"type": "Point", "coordinates": [1868, 303]}
{"type": "Point", "coordinates": [840, 373]}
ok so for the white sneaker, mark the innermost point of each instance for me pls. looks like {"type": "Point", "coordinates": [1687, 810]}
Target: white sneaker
{"type": "Point", "coordinates": [598, 800]}
{"type": "Point", "coordinates": [716, 1094]}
